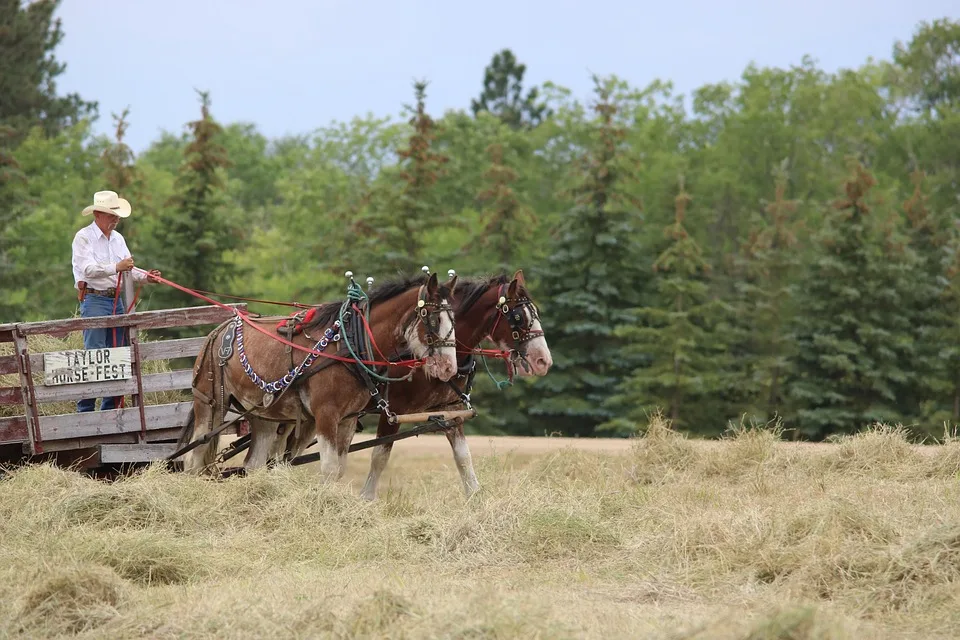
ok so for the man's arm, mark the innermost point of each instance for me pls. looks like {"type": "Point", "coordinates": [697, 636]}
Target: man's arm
{"type": "Point", "coordinates": [84, 261]}
{"type": "Point", "coordinates": [138, 275]}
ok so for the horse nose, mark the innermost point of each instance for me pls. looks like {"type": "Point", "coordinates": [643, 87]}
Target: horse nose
{"type": "Point", "coordinates": [544, 363]}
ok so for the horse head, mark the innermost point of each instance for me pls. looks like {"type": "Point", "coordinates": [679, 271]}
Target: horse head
{"type": "Point", "coordinates": [424, 320]}
{"type": "Point", "coordinates": [517, 329]}
{"type": "Point", "coordinates": [432, 335]}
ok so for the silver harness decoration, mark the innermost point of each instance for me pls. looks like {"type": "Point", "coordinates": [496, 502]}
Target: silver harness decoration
{"type": "Point", "coordinates": [331, 334]}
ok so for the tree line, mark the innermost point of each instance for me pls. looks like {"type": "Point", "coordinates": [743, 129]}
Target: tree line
{"type": "Point", "coordinates": [781, 247]}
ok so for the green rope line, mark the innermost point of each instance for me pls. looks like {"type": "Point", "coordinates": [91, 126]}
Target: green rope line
{"type": "Point", "coordinates": [356, 294]}
{"type": "Point", "coordinates": [501, 384]}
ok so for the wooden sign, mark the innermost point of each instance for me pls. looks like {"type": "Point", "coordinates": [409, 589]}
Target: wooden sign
{"type": "Point", "coordinates": [86, 365]}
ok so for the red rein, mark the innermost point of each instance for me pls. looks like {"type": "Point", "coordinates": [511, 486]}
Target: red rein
{"type": "Point", "coordinates": [412, 364]}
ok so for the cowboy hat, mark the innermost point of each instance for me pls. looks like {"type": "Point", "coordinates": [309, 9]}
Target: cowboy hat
{"type": "Point", "coordinates": [108, 202]}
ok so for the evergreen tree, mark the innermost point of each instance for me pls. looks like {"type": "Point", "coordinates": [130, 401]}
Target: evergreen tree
{"type": "Point", "coordinates": [194, 230]}
{"type": "Point", "coordinates": [932, 393]}
{"type": "Point", "coordinates": [680, 334]}
{"type": "Point", "coordinates": [764, 296]}
{"type": "Point", "coordinates": [12, 182]}
{"type": "Point", "coordinates": [121, 174]}
{"type": "Point", "coordinates": [507, 223]}
{"type": "Point", "coordinates": [503, 93]}
{"type": "Point", "coordinates": [594, 276]}
{"type": "Point", "coordinates": [949, 334]}
{"type": "Point", "coordinates": [854, 348]}
{"type": "Point", "coordinates": [28, 70]}
{"type": "Point", "coordinates": [396, 230]}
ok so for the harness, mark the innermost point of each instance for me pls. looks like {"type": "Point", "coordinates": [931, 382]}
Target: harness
{"type": "Point", "coordinates": [351, 330]}
{"type": "Point", "coordinates": [512, 309]}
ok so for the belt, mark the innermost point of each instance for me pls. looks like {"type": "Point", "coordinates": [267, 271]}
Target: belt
{"type": "Point", "coordinates": [108, 293]}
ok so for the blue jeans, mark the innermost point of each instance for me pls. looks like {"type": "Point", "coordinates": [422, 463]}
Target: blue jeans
{"type": "Point", "coordinates": [93, 306]}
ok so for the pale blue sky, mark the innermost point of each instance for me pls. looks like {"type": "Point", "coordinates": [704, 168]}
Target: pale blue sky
{"type": "Point", "coordinates": [290, 66]}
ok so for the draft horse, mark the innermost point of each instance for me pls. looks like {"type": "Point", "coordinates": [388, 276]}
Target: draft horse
{"type": "Point", "coordinates": [236, 362]}
{"type": "Point", "coordinates": [497, 309]}
{"type": "Point", "coordinates": [494, 309]}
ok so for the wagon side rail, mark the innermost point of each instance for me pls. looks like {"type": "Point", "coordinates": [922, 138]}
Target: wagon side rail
{"type": "Point", "coordinates": [132, 433]}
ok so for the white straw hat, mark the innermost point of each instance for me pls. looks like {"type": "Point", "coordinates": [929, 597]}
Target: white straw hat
{"type": "Point", "coordinates": [108, 202]}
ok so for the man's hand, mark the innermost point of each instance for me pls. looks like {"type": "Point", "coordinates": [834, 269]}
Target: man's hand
{"type": "Point", "coordinates": [125, 265]}
{"type": "Point", "coordinates": [151, 275]}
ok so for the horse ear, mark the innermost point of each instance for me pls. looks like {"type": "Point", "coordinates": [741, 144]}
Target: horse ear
{"type": "Point", "coordinates": [512, 289]}
{"type": "Point", "coordinates": [452, 284]}
{"type": "Point", "coordinates": [518, 276]}
{"type": "Point", "coordinates": [432, 284]}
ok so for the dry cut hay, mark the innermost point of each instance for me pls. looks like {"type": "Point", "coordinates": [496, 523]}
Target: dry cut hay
{"type": "Point", "coordinates": [740, 538]}
{"type": "Point", "coordinates": [70, 599]}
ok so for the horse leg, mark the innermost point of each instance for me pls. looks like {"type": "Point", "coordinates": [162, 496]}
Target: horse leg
{"type": "Point", "coordinates": [461, 455]}
{"type": "Point", "coordinates": [201, 459]}
{"type": "Point", "coordinates": [332, 461]}
{"type": "Point", "coordinates": [263, 440]}
{"type": "Point", "coordinates": [279, 449]}
{"type": "Point", "coordinates": [378, 459]}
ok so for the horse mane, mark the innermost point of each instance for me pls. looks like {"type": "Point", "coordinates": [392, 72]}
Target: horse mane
{"type": "Point", "coordinates": [326, 313]}
{"type": "Point", "coordinates": [472, 290]}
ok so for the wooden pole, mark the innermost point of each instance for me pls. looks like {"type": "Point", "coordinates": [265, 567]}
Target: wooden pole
{"type": "Point", "coordinates": [408, 418]}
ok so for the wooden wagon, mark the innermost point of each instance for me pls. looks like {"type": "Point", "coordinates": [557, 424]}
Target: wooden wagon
{"type": "Point", "coordinates": [135, 433]}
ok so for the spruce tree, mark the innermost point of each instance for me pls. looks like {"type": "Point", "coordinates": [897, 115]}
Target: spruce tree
{"type": "Point", "coordinates": [395, 229]}
{"type": "Point", "coordinates": [503, 93]}
{"type": "Point", "coordinates": [12, 186]}
{"type": "Point", "coordinates": [949, 334]}
{"type": "Point", "coordinates": [594, 276]}
{"type": "Point", "coordinates": [194, 230]}
{"type": "Point", "coordinates": [931, 395]}
{"type": "Point", "coordinates": [507, 223]}
{"type": "Point", "coordinates": [121, 174]}
{"type": "Point", "coordinates": [28, 70]}
{"type": "Point", "coordinates": [765, 295]}
{"type": "Point", "coordinates": [679, 333]}
{"type": "Point", "coordinates": [854, 349]}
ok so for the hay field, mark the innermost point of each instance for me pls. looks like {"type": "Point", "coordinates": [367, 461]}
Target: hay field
{"type": "Point", "coordinates": [665, 538]}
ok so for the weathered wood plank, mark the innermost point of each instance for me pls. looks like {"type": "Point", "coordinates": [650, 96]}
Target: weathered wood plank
{"type": "Point", "coordinates": [120, 453]}
{"type": "Point", "coordinates": [87, 458]}
{"type": "Point", "coordinates": [26, 385]}
{"type": "Point", "coordinates": [116, 421]}
{"type": "Point", "coordinates": [164, 381]}
{"type": "Point", "coordinates": [6, 332]}
{"type": "Point", "coordinates": [118, 438]}
{"type": "Point", "coordinates": [13, 429]}
{"type": "Point", "coordinates": [137, 400]}
{"type": "Point", "coordinates": [182, 317]}
{"type": "Point", "coordinates": [167, 349]}
{"type": "Point", "coordinates": [11, 395]}
{"type": "Point", "coordinates": [8, 364]}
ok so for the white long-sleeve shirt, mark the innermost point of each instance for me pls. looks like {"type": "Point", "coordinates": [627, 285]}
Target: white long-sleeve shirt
{"type": "Point", "coordinates": [95, 258]}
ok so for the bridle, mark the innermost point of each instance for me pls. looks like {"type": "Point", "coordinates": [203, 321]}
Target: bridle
{"type": "Point", "coordinates": [429, 314]}
{"type": "Point", "coordinates": [521, 331]}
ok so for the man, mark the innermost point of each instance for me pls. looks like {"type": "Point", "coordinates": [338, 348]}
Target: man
{"type": "Point", "coordinates": [100, 260]}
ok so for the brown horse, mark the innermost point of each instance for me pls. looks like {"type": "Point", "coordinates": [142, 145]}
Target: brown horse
{"type": "Point", "coordinates": [498, 309]}
{"type": "Point", "coordinates": [495, 309]}
{"type": "Point", "coordinates": [409, 315]}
